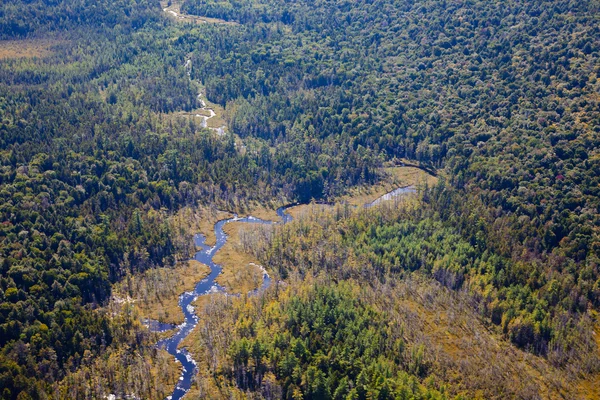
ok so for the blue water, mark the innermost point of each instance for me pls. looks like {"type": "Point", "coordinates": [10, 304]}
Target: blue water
{"type": "Point", "coordinates": [207, 285]}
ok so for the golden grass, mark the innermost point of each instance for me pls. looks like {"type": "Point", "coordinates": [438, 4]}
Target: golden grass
{"type": "Point", "coordinates": [262, 212]}
{"type": "Point", "coordinates": [200, 111]}
{"type": "Point", "coordinates": [167, 309]}
{"type": "Point", "coordinates": [206, 386]}
{"type": "Point", "coordinates": [299, 211]}
{"type": "Point", "coordinates": [357, 197]}
{"type": "Point", "coordinates": [218, 120]}
{"type": "Point", "coordinates": [27, 48]}
{"type": "Point", "coordinates": [360, 196]}
{"type": "Point", "coordinates": [396, 177]}
{"type": "Point", "coordinates": [589, 387]}
{"type": "Point", "coordinates": [165, 370]}
{"type": "Point", "coordinates": [155, 293]}
{"type": "Point", "coordinates": [240, 272]}
{"type": "Point", "coordinates": [457, 339]}
{"type": "Point", "coordinates": [464, 352]}
{"type": "Point", "coordinates": [151, 376]}
{"type": "Point", "coordinates": [143, 371]}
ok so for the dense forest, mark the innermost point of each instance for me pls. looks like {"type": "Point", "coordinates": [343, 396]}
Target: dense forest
{"type": "Point", "coordinates": [504, 97]}
{"type": "Point", "coordinates": [501, 98]}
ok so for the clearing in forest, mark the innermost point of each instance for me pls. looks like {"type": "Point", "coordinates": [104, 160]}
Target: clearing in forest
{"type": "Point", "coordinates": [27, 48]}
{"type": "Point", "coordinates": [173, 10]}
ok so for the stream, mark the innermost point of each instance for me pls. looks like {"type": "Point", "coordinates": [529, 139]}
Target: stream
{"type": "Point", "coordinates": [211, 113]}
{"type": "Point", "coordinates": [208, 285]}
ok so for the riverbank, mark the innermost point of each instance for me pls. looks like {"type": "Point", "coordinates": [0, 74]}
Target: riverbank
{"type": "Point", "coordinates": [155, 292]}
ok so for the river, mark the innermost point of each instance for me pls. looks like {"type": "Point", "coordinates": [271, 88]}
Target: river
{"type": "Point", "coordinates": [208, 285]}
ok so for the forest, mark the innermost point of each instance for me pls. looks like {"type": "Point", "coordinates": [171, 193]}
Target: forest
{"type": "Point", "coordinates": [98, 154]}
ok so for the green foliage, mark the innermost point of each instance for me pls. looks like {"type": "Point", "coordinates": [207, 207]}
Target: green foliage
{"type": "Point", "coordinates": [92, 164]}
{"type": "Point", "coordinates": [501, 95]}
{"type": "Point", "coordinates": [22, 18]}
{"type": "Point", "coordinates": [387, 244]}
{"type": "Point", "coordinates": [327, 343]}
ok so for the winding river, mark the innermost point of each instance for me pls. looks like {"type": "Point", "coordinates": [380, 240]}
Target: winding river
{"type": "Point", "coordinates": [208, 285]}
{"type": "Point", "coordinates": [205, 255]}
